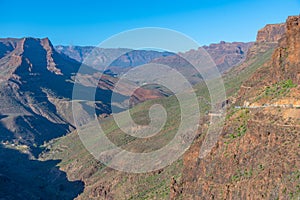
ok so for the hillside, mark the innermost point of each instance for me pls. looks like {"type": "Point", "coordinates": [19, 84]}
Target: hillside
{"type": "Point", "coordinates": [36, 88]}
{"type": "Point", "coordinates": [105, 183]}
{"type": "Point", "coordinates": [36, 85]}
{"type": "Point", "coordinates": [257, 156]}
{"type": "Point", "coordinates": [25, 103]}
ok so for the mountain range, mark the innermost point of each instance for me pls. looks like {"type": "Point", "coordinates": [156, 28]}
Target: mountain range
{"type": "Point", "coordinates": [225, 55]}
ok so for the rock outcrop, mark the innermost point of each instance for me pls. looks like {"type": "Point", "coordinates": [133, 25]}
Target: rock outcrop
{"type": "Point", "coordinates": [286, 59]}
{"type": "Point", "coordinates": [271, 33]}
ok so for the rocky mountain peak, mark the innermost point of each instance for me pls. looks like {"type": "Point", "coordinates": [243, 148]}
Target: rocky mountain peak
{"type": "Point", "coordinates": [271, 33]}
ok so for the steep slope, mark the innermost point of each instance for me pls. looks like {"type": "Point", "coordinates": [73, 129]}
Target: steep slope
{"type": "Point", "coordinates": [26, 88]}
{"type": "Point", "coordinates": [31, 75]}
{"type": "Point", "coordinates": [104, 183]}
{"type": "Point", "coordinates": [7, 46]}
{"type": "Point", "coordinates": [257, 157]}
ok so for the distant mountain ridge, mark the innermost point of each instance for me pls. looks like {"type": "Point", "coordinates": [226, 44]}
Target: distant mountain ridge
{"type": "Point", "coordinates": [104, 58]}
{"type": "Point", "coordinates": [225, 55]}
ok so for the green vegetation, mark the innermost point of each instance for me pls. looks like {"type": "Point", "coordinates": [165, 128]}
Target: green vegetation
{"type": "Point", "coordinates": [276, 90]}
{"type": "Point", "coordinates": [261, 167]}
{"type": "Point", "coordinates": [279, 89]}
{"type": "Point", "coordinates": [242, 174]}
{"type": "Point", "coordinates": [76, 158]}
{"type": "Point", "coordinates": [294, 192]}
{"type": "Point", "coordinates": [241, 129]}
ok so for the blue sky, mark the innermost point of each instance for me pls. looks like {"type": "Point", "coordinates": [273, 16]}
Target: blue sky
{"type": "Point", "coordinates": [88, 22]}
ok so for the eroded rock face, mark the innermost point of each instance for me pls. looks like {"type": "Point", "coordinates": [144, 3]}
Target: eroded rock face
{"type": "Point", "coordinates": [271, 33]}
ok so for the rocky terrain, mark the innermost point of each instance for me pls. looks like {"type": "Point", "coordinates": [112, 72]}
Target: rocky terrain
{"type": "Point", "coordinates": [271, 33]}
{"type": "Point", "coordinates": [257, 156]}
{"type": "Point", "coordinates": [225, 55]}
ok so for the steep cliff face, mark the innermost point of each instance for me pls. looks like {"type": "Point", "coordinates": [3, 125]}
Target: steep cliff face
{"type": "Point", "coordinates": [271, 33]}
{"type": "Point", "coordinates": [267, 40]}
{"type": "Point", "coordinates": [284, 66]}
{"type": "Point", "coordinates": [257, 155]}
{"type": "Point", "coordinates": [286, 58]}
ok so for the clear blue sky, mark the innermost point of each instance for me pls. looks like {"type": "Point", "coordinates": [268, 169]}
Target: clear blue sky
{"type": "Point", "coordinates": [88, 22]}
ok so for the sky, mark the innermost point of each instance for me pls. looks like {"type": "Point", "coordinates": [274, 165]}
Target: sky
{"type": "Point", "coordinates": [89, 22]}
